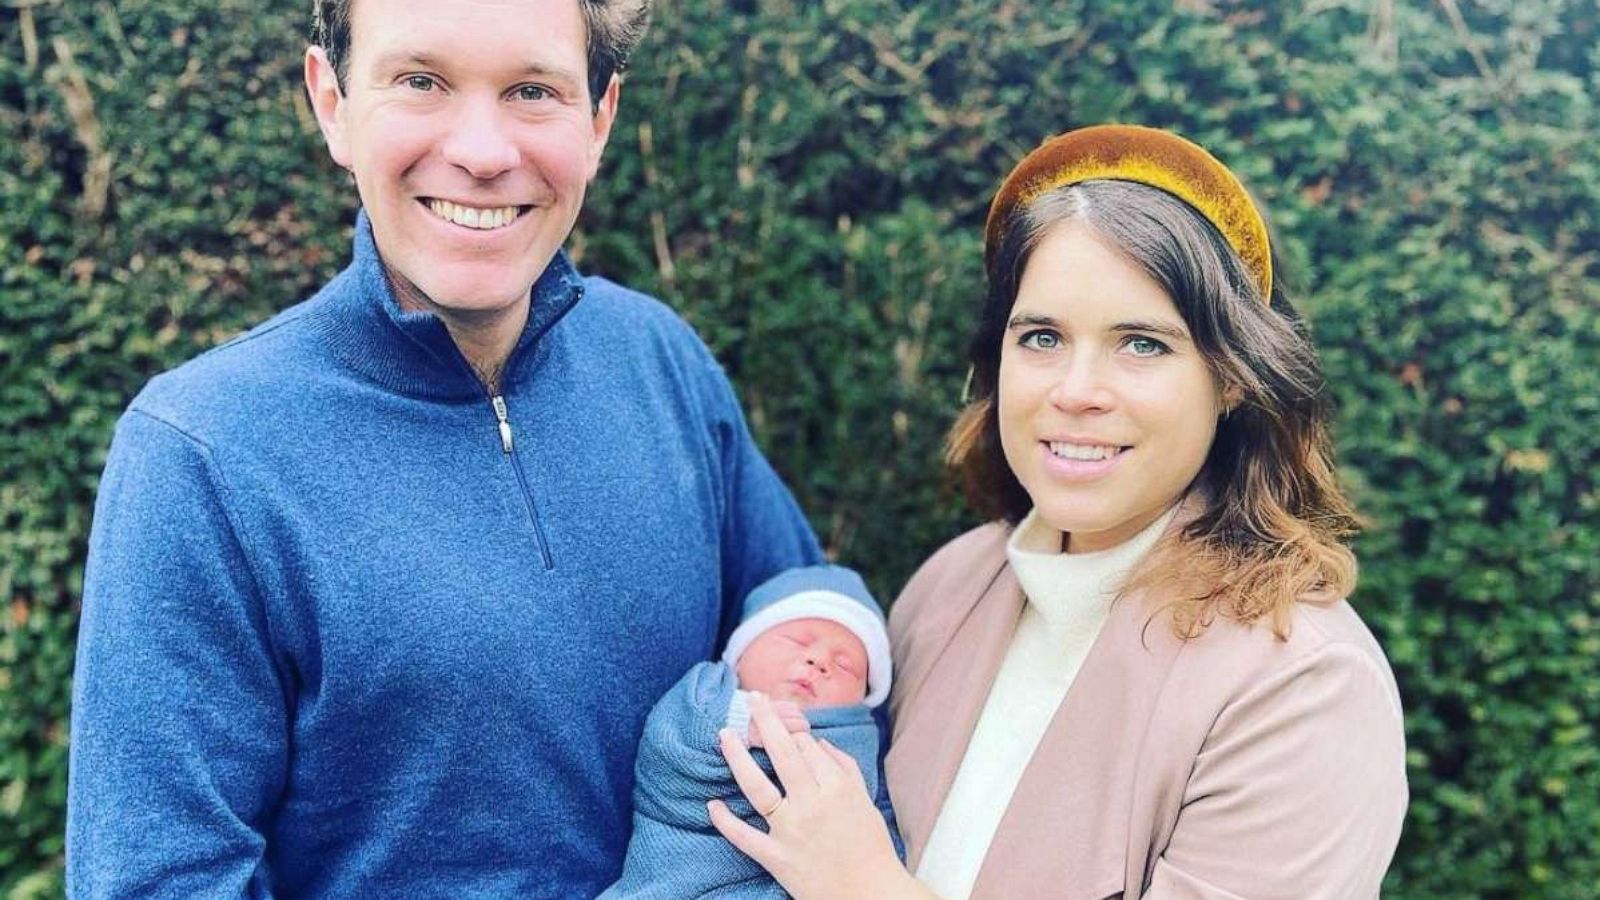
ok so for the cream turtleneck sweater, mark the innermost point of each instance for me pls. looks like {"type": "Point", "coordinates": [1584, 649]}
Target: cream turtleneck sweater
{"type": "Point", "coordinates": [1068, 598]}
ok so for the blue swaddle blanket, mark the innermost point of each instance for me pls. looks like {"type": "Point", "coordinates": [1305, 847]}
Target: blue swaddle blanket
{"type": "Point", "coordinates": [675, 853]}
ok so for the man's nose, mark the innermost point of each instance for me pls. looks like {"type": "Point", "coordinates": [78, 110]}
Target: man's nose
{"type": "Point", "coordinates": [479, 142]}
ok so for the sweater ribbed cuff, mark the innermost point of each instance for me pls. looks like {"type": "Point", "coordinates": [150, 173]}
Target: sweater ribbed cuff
{"type": "Point", "coordinates": [738, 720]}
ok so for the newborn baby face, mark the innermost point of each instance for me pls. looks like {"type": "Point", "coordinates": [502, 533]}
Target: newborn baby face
{"type": "Point", "coordinates": [812, 662]}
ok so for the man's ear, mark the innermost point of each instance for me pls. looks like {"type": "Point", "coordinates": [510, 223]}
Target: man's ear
{"type": "Point", "coordinates": [605, 115]}
{"type": "Point", "coordinates": [322, 83]}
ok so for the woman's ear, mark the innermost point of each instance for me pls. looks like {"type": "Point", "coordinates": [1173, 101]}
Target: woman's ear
{"type": "Point", "coordinates": [1232, 396]}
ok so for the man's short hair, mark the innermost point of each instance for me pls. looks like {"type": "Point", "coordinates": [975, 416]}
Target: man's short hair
{"type": "Point", "coordinates": [615, 28]}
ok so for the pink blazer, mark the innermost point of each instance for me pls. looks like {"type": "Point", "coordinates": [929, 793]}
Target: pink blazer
{"type": "Point", "coordinates": [1234, 765]}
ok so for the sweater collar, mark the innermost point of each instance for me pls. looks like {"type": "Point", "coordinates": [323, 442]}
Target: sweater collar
{"type": "Point", "coordinates": [1064, 587]}
{"type": "Point", "coordinates": [412, 352]}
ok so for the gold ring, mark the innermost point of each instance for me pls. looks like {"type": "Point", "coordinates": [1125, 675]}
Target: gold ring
{"type": "Point", "coordinates": [767, 814]}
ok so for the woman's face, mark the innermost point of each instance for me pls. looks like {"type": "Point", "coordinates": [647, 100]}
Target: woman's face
{"type": "Point", "coordinates": [1106, 407]}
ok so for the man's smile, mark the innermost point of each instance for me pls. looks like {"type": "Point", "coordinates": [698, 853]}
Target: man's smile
{"type": "Point", "coordinates": [478, 217]}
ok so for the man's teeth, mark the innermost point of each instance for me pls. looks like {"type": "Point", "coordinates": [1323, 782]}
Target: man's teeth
{"type": "Point", "coordinates": [472, 216]}
{"type": "Point", "coordinates": [1087, 452]}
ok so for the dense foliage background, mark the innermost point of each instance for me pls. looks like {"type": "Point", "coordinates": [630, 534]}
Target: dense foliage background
{"type": "Point", "coordinates": [806, 180]}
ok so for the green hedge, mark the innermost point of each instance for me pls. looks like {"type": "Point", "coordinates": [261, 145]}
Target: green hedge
{"type": "Point", "coordinates": [806, 181]}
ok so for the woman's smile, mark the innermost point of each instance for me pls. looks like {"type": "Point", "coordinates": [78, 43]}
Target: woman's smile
{"type": "Point", "coordinates": [1081, 462]}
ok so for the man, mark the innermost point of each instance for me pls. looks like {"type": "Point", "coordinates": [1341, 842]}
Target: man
{"type": "Point", "coordinates": [380, 593]}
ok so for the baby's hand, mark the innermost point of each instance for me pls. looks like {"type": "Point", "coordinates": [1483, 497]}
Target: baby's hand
{"type": "Point", "coordinates": [789, 713]}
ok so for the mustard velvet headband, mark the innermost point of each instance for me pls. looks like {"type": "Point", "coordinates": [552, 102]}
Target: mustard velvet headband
{"type": "Point", "coordinates": [1147, 156]}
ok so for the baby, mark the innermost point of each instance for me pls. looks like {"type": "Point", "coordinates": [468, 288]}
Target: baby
{"type": "Point", "coordinates": [811, 639]}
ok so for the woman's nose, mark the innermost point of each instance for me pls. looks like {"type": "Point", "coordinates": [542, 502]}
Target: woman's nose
{"type": "Point", "coordinates": [1082, 385]}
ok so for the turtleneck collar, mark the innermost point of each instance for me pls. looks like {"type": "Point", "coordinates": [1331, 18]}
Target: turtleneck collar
{"type": "Point", "coordinates": [1063, 588]}
{"type": "Point", "coordinates": [412, 352]}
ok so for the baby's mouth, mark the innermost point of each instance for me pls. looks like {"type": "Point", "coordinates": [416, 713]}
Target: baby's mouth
{"type": "Point", "coordinates": [805, 686]}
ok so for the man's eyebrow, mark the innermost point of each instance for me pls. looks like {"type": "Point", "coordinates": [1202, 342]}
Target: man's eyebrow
{"type": "Point", "coordinates": [395, 59]}
{"type": "Point", "coordinates": [400, 59]}
{"type": "Point", "coordinates": [540, 70]}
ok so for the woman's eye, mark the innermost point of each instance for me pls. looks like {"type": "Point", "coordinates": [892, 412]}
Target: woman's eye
{"type": "Point", "coordinates": [531, 92]}
{"type": "Point", "coordinates": [420, 82]}
{"type": "Point", "coordinates": [1041, 340]}
{"type": "Point", "coordinates": [1143, 346]}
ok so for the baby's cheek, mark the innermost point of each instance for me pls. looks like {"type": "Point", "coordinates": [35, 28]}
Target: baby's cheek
{"type": "Point", "coordinates": [753, 676]}
{"type": "Point", "coordinates": [846, 693]}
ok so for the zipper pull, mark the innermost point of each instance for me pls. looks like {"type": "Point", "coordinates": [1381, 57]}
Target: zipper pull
{"type": "Point", "coordinates": [505, 426]}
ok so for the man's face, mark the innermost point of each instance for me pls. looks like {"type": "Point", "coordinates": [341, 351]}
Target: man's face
{"type": "Point", "coordinates": [472, 136]}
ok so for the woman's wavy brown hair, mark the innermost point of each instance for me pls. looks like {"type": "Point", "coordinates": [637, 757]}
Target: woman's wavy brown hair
{"type": "Point", "coordinates": [1271, 527]}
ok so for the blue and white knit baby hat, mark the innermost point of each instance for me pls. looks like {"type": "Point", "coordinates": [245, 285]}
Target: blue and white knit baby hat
{"type": "Point", "coordinates": [819, 592]}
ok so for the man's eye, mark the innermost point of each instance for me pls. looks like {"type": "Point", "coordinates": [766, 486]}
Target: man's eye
{"type": "Point", "coordinates": [532, 92]}
{"type": "Point", "coordinates": [1040, 340]}
{"type": "Point", "coordinates": [420, 83]}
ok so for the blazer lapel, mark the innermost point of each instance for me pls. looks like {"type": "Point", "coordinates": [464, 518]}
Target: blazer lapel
{"type": "Point", "coordinates": [931, 738]}
{"type": "Point", "coordinates": [1066, 831]}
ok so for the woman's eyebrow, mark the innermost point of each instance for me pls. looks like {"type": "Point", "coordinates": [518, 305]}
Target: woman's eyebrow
{"type": "Point", "coordinates": [1149, 326]}
{"type": "Point", "coordinates": [1030, 320]}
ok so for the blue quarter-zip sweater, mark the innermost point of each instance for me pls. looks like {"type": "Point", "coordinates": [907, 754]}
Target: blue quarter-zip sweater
{"type": "Point", "coordinates": [352, 627]}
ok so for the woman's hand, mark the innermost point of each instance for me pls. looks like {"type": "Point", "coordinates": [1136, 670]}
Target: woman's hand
{"type": "Point", "coordinates": [789, 713]}
{"type": "Point", "coordinates": [826, 840]}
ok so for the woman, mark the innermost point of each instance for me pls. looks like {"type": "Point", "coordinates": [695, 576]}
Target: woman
{"type": "Point", "coordinates": [1144, 680]}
